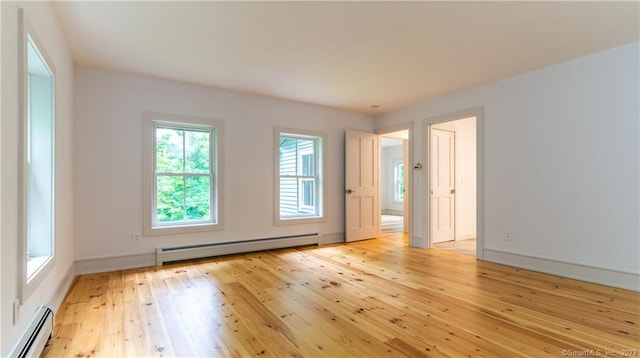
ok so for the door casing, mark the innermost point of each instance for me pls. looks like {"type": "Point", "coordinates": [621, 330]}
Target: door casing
{"type": "Point", "coordinates": [423, 195]}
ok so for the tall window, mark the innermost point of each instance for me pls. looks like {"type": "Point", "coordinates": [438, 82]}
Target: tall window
{"type": "Point", "coordinates": [299, 176]}
{"type": "Point", "coordinates": [398, 181]}
{"type": "Point", "coordinates": [37, 160]}
{"type": "Point", "coordinates": [185, 177]}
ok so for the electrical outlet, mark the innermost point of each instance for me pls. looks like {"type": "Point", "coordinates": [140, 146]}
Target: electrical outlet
{"type": "Point", "coordinates": [507, 235]}
{"type": "Point", "coordinates": [135, 237]}
{"type": "Point", "coordinates": [16, 310]}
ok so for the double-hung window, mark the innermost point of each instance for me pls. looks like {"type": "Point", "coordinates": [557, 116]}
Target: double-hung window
{"type": "Point", "coordinates": [37, 190]}
{"type": "Point", "coordinates": [183, 183]}
{"type": "Point", "coordinates": [299, 182]}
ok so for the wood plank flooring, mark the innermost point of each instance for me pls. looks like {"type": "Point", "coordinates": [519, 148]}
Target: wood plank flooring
{"type": "Point", "coordinates": [366, 299]}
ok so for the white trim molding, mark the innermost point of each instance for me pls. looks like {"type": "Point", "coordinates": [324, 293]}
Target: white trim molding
{"type": "Point", "coordinates": [63, 288]}
{"type": "Point", "coordinates": [336, 238]}
{"type": "Point", "coordinates": [216, 222]}
{"type": "Point", "coordinates": [600, 275]}
{"type": "Point", "coordinates": [114, 263]}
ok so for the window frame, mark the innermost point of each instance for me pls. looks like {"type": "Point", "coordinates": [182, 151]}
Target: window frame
{"type": "Point", "coordinates": [319, 163]}
{"type": "Point", "coordinates": [29, 282]}
{"type": "Point", "coordinates": [153, 120]}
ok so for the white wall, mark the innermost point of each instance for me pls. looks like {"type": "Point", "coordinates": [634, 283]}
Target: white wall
{"type": "Point", "coordinates": [388, 156]}
{"type": "Point", "coordinates": [47, 28]}
{"type": "Point", "coordinates": [561, 165]}
{"type": "Point", "coordinates": [108, 176]}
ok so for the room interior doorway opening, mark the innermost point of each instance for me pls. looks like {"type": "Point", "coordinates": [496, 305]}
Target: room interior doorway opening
{"type": "Point", "coordinates": [452, 185]}
{"type": "Point", "coordinates": [394, 183]}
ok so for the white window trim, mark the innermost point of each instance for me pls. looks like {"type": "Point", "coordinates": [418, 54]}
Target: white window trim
{"type": "Point", "coordinates": [321, 187]}
{"type": "Point", "coordinates": [151, 119]}
{"type": "Point", "coordinates": [28, 283]}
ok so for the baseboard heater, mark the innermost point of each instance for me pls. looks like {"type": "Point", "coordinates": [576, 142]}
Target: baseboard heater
{"type": "Point", "coordinates": [36, 336]}
{"type": "Point", "coordinates": [170, 254]}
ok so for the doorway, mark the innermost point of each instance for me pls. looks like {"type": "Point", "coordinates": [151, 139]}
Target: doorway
{"type": "Point", "coordinates": [394, 188]}
{"type": "Point", "coordinates": [363, 214]}
{"type": "Point", "coordinates": [452, 185]}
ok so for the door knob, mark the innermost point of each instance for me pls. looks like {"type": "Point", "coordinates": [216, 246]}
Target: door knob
{"type": "Point", "coordinates": [349, 191]}
{"type": "Point", "coordinates": [453, 191]}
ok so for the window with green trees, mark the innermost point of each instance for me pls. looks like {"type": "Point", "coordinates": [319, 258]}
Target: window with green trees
{"type": "Point", "coordinates": [183, 174]}
{"type": "Point", "coordinates": [183, 189]}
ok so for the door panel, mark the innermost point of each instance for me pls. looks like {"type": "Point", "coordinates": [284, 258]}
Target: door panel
{"type": "Point", "coordinates": [362, 219]}
{"type": "Point", "coordinates": [442, 185]}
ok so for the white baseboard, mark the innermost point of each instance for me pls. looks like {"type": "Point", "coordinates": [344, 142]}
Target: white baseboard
{"type": "Point", "coordinates": [615, 278]}
{"type": "Point", "coordinates": [465, 237]}
{"type": "Point", "coordinates": [114, 263]}
{"type": "Point", "coordinates": [123, 262]}
{"type": "Point", "coordinates": [331, 238]}
{"type": "Point", "coordinates": [418, 241]}
{"type": "Point", "coordinates": [63, 288]}
{"type": "Point", "coordinates": [180, 253]}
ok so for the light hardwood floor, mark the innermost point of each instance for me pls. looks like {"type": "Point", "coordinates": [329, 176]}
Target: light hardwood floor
{"type": "Point", "coordinates": [365, 299]}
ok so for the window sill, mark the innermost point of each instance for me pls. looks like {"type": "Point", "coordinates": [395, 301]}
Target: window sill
{"type": "Point", "coordinates": [176, 230]}
{"type": "Point", "coordinates": [35, 264]}
{"type": "Point", "coordinates": [300, 221]}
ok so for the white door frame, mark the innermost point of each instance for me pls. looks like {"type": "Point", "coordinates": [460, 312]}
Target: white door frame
{"type": "Point", "coordinates": [409, 170]}
{"type": "Point", "coordinates": [478, 112]}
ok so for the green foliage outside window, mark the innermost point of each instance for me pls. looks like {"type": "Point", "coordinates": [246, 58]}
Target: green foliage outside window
{"type": "Point", "coordinates": [183, 175]}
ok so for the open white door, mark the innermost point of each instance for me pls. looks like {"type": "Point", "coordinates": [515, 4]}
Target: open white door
{"type": "Point", "coordinates": [442, 185]}
{"type": "Point", "coordinates": [362, 213]}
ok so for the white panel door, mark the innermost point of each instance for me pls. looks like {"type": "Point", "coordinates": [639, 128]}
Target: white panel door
{"type": "Point", "coordinates": [442, 185]}
{"type": "Point", "coordinates": [362, 213]}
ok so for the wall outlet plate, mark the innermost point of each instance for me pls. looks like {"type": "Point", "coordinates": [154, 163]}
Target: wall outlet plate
{"type": "Point", "coordinates": [507, 235]}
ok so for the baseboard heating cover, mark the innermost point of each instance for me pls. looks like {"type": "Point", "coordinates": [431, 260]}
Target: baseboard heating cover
{"type": "Point", "coordinates": [37, 335]}
{"type": "Point", "coordinates": [169, 254]}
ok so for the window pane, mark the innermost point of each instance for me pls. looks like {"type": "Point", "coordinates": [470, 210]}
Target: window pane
{"type": "Point", "coordinates": [170, 200]}
{"type": "Point", "coordinates": [401, 179]}
{"type": "Point", "coordinates": [398, 181]}
{"type": "Point", "coordinates": [288, 197]}
{"type": "Point", "coordinates": [169, 150]}
{"type": "Point", "coordinates": [299, 195]}
{"type": "Point", "coordinates": [305, 151]}
{"type": "Point", "coordinates": [198, 198]}
{"type": "Point", "coordinates": [39, 161]}
{"type": "Point", "coordinates": [288, 156]}
{"type": "Point", "coordinates": [308, 192]}
{"type": "Point", "coordinates": [197, 152]}
{"type": "Point", "coordinates": [308, 165]}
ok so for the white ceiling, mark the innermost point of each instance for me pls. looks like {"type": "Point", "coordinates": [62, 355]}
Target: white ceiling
{"type": "Point", "coordinates": [348, 55]}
